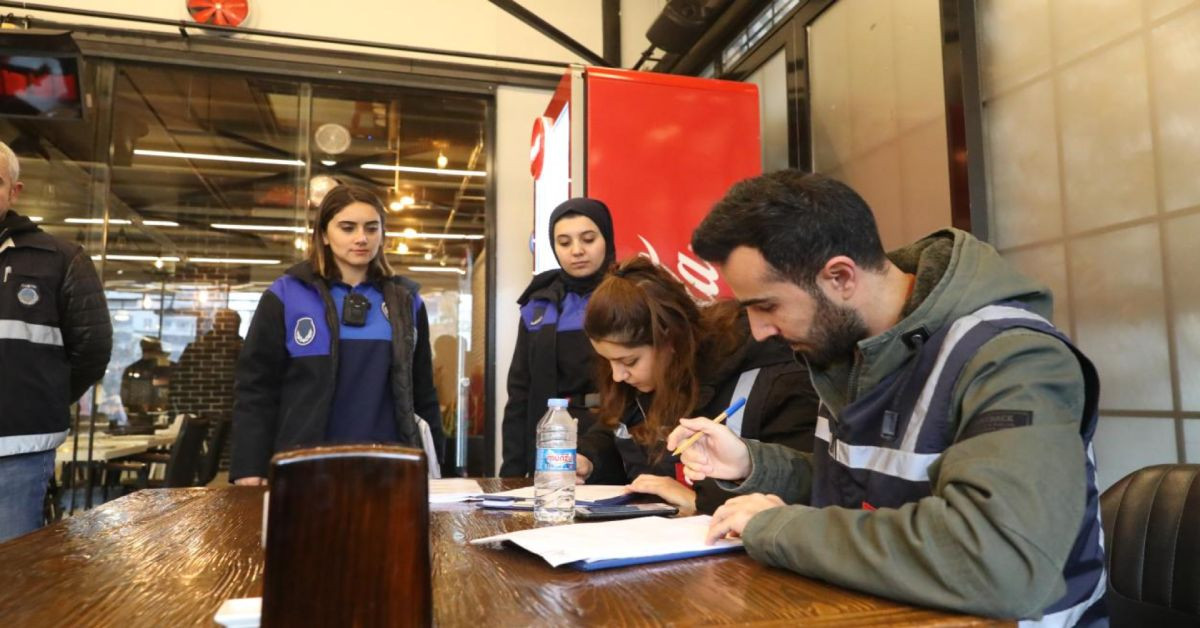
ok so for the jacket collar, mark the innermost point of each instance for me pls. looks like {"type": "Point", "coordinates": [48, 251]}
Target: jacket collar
{"type": "Point", "coordinates": [304, 272]}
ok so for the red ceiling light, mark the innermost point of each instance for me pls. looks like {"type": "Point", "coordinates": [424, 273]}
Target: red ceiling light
{"type": "Point", "coordinates": [219, 12]}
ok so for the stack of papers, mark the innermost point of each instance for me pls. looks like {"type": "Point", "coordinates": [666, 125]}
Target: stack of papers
{"type": "Point", "coordinates": [585, 495]}
{"type": "Point", "coordinates": [590, 546]}
{"type": "Point", "coordinates": [451, 490]}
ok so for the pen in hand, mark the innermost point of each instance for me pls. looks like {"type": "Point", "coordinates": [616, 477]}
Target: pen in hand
{"type": "Point", "coordinates": [730, 411]}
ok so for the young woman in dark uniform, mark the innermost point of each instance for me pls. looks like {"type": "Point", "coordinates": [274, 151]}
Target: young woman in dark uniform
{"type": "Point", "coordinates": [553, 357]}
{"type": "Point", "coordinates": [665, 358]}
{"type": "Point", "coordinates": [338, 350]}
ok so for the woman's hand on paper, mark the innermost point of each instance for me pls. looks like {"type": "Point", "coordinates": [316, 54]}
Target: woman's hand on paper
{"type": "Point", "coordinates": [719, 453]}
{"type": "Point", "coordinates": [731, 518]}
{"type": "Point", "coordinates": [668, 489]}
{"type": "Point", "coordinates": [583, 468]}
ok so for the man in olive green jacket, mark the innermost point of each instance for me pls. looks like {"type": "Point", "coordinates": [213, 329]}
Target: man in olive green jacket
{"type": "Point", "coordinates": [953, 462]}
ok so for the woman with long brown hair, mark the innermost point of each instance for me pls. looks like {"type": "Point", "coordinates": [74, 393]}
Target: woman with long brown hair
{"type": "Point", "coordinates": [663, 358]}
{"type": "Point", "coordinates": [338, 350]}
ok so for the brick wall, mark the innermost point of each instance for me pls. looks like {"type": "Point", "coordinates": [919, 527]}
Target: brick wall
{"type": "Point", "coordinates": [202, 381]}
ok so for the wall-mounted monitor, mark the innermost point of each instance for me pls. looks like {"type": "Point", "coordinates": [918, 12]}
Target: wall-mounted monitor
{"type": "Point", "coordinates": [40, 75]}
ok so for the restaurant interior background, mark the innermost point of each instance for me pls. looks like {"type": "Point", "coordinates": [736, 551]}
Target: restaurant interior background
{"type": "Point", "coordinates": [1063, 131]}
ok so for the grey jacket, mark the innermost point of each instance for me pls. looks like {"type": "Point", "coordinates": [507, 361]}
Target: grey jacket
{"type": "Point", "coordinates": [1006, 506]}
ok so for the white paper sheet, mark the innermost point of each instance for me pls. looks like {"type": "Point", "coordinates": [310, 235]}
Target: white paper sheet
{"type": "Point", "coordinates": [449, 490]}
{"type": "Point", "coordinates": [625, 538]}
{"type": "Point", "coordinates": [584, 493]}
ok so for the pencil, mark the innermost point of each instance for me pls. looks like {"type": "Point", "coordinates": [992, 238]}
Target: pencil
{"type": "Point", "coordinates": [730, 411]}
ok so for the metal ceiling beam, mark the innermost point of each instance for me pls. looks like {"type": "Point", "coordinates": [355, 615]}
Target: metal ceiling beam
{"type": "Point", "coordinates": [183, 25]}
{"type": "Point", "coordinates": [546, 28]}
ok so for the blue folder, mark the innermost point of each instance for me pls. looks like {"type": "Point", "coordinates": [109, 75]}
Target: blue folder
{"type": "Point", "coordinates": [609, 563]}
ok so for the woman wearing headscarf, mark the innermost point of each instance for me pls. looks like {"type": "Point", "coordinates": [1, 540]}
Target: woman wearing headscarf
{"type": "Point", "coordinates": [553, 357]}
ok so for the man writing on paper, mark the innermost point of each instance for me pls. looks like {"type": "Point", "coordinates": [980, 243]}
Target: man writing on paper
{"type": "Point", "coordinates": [952, 465]}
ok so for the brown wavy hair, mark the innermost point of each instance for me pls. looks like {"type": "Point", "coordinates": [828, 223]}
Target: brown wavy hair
{"type": "Point", "coordinates": [640, 304]}
{"type": "Point", "coordinates": [320, 256]}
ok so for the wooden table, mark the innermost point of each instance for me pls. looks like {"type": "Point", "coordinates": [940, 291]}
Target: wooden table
{"type": "Point", "coordinates": [106, 447]}
{"type": "Point", "coordinates": [171, 557]}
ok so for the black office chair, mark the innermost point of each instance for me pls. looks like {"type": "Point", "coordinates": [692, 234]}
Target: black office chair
{"type": "Point", "coordinates": [218, 434]}
{"type": "Point", "coordinates": [1152, 536]}
{"type": "Point", "coordinates": [182, 463]}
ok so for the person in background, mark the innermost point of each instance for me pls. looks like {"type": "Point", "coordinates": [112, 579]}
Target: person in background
{"type": "Point", "coordinates": [145, 384]}
{"type": "Point", "coordinates": [665, 358]}
{"type": "Point", "coordinates": [553, 357]}
{"type": "Point", "coordinates": [953, 466]}
{"type": "Point", "coordinates": [55, 342]}
{"type": "Point", "coordinates": [338, 349]}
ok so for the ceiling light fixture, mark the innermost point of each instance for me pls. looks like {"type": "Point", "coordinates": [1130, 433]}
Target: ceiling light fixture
{"type": "Point", "coordinates": [117, 257]}
{"type": "Point", "coordinates": [230, 260]}
{"type": "Point", "coordinates": [434, 236]}
{"type": "Point", "coordinates": [442, 160]}
{"type": "Point", "coordinates": [416, 170]}
{"type": "Point", "coordinates": [97, 221]}
{"type": "Point", "coordinates": [436, 269]}
{"type": "Point", "coordinates": [36, 218]}
{"type": "Point", "coordinates": [209, 157]}
{"type": "Point", "coordinates": [402, 249]}
{"type": "Point", "coordinates": [233, 227]}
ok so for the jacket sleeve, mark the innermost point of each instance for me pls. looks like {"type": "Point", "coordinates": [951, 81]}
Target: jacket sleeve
{"type": "Point", "coordinates": [516, 411]}
{"type": "Point", "coordinates": [425, 399]}
{"type": "Point", "coordinates": [789, 417]}
{"type": "Point", "coordinates": [1005, 508]}
{"type": "Point", "coordinates": [600, 446]}
{"type": "Point", "coordinates": [87, 328]}
{"type": "Point", "coordinates": [258, 382]}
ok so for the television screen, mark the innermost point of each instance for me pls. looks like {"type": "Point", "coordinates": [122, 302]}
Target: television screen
{"type": "Point", "coordinates": [40, 85]}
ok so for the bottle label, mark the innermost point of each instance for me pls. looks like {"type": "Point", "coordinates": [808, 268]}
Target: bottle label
{"type": "Point", "coordinates": [550, 459]}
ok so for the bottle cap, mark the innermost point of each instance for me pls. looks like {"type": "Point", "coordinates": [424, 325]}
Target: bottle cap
{"type": "Point", "coordinates": [556, 403]}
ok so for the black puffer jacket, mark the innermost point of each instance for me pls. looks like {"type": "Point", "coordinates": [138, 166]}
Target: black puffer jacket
{"type": "Point", "coordinates": [55, 334]}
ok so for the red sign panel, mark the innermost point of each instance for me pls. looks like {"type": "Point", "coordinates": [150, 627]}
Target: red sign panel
{"type": "Point", "coordinates": [661, 150]}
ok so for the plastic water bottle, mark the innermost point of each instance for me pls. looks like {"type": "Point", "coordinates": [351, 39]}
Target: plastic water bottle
{"type": "Point", "coordinates": [554, 474]}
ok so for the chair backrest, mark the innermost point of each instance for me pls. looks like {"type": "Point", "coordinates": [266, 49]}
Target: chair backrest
{"type": "Point", "coordinates": [184, 462]}
{"type": "Point", "coordinates": [218, 433]}
{"type": "Point", "coordinates": [348, 538]}
{"type": "Point", "coordinates": [1152, 533]}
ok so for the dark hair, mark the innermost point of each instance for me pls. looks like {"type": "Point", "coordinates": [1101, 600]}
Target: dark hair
{"type": "Point", "coordinates": [640, 304]}
{"type": "Point", "coordinates": [319, 254]}
{"type": "Point", "coordinates": [797, 220]}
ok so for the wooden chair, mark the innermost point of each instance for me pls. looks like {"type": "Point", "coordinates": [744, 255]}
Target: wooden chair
{"type": "Point", "coordinates": [348, 538]}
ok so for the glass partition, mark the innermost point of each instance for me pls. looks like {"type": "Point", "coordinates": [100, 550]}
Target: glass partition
{"type": "Point", "coordinates": [192, 190]}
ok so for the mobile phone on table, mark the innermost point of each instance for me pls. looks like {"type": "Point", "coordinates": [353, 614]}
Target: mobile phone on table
{"type": "Point", "coordinates": [621, 511]}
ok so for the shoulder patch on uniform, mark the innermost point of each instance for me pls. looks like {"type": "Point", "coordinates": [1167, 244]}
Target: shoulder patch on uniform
{"type": "Point", "coordinates": [305, 331]}
{"type": "Point", "coordinates": [996, 420]}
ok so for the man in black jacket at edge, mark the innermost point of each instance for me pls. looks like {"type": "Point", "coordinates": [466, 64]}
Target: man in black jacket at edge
{"type": "Point", "coordinates": [55, 341]}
